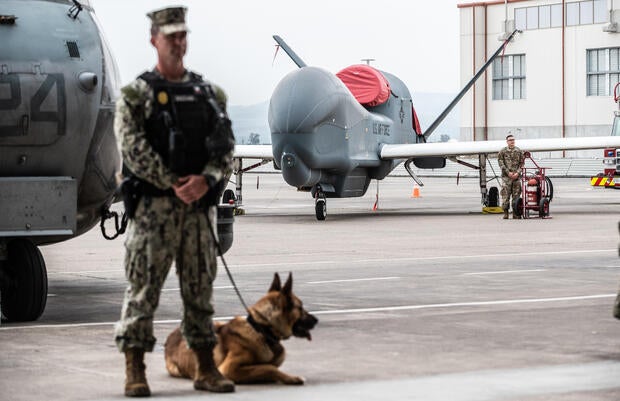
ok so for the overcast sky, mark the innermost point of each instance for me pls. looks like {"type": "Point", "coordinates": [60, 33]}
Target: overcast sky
{"type": "Point", "coordinates": [231, 41]}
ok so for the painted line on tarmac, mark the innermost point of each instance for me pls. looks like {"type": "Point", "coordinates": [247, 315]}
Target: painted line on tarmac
{"type": "Point", "coordinates": [504, 272]}
{"type": "Point", "coordinates": [464, 304]}
{"type": "Point", "coordinates": [120, 270]}
{"type": "Point", "coordinates": [423, 258]}
{"type": "Point", "coordinates": [353, 280]}
{"type": "Point", "coordinates": [95, 324]}
{"type": "Point", "coordinates": [222, 287]}
{"type": "Point", "coordinates": [230, 287]}
{"type": "Point", "coordinates": [353, 311]}
{"type": "Point", "coordinates": [408, 259]}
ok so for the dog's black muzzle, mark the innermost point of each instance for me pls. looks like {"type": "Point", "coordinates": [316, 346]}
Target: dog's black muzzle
{"type": "Point", "coordinates": [303, 325]}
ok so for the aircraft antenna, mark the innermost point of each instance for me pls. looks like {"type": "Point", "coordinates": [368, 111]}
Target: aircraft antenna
{"type": "Point", "coordinates": [368, 60]}
{"type": "Point", "coordinates": [296, 59]}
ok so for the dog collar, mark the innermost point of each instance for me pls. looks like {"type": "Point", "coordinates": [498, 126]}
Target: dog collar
{"type": "Point", "coordinates": [265, 330]}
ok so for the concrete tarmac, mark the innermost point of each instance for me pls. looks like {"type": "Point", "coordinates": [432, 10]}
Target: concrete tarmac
{"type": "Point", "coordinates": [426, 298]}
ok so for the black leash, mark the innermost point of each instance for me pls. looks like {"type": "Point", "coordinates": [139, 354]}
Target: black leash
{"type": "Point", "coordinates": [221, 254]}
{"type": "Point", "coordinates": [120, 226]}
{"type": "Point", "coordinates": [265, 330]}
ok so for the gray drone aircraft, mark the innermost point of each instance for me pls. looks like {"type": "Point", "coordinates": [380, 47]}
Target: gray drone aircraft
{"type": "Point", "coordinates": [58, 154]}
{"type": "Point", "coordinates": [332, 134]}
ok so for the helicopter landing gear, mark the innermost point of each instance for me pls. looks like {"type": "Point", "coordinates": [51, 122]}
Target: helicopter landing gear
{"type": "Point", "coordinates": [320, 205]}
{"type": "Point", "coordinates": [24, 282]}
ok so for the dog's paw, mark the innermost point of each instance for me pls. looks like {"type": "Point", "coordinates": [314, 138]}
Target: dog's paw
{"type": "Point", "coordinates": [297, 380]}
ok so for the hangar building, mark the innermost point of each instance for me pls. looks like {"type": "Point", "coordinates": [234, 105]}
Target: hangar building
{"type": "Point", "coordinates": [555, 79]}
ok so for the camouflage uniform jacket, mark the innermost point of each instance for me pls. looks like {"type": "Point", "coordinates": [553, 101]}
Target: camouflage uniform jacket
{"type": "Point", "coordinates": [510, 160]}
{"type": "Point", "coordinates": [133, 108]}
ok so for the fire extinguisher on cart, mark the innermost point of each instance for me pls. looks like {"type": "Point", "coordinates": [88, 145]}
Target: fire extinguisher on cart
{"type": "Point", "coordinates": [536, 190]}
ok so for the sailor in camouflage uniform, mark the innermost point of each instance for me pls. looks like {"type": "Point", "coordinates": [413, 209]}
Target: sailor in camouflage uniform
{"type": "Point", "coordinates": [175, 158]}
{"type": "Point", "coordinates": [510, 160]}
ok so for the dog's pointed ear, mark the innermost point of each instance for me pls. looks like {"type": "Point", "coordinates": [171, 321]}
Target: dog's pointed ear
{"type": "Point", "coordinates": [288, 286]}
{"type": "Point", "coordinates": [276, 285]}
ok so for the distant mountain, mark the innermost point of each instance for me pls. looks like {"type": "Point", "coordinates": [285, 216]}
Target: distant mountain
{"type": "Point", "coordinates": [252, 119]}
{"type": "Point", "coordinates": [429, 106]}
{"type": "Point", "coordinates": [247, 120]}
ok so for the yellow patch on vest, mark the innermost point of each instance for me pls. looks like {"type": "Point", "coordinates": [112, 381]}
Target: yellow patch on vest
{"type": "Point", "coordinates": [162, 97]}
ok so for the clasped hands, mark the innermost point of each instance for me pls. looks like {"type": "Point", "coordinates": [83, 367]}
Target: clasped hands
{"type": "Point", "coordinates": [191, 188]}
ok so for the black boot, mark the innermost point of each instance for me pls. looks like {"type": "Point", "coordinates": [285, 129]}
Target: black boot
{"type": "Point", "coordinates": [135, 381]}
{"type": "Point", "coordinates": [207, 376]}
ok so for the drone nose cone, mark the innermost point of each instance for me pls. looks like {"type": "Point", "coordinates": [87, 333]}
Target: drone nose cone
{"type": "Point", "coordinates": [304, 99]}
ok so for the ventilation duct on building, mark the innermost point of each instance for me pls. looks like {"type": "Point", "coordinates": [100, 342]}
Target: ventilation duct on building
{"type": "Point", "coordinates": [614, 17]}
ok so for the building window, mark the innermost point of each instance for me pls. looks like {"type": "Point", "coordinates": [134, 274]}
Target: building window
{"type": "Point", "coordinates": [544, 16]}
{"type": "Point", "coordinates": [520, 19]}
{"type": "Point", "coordinates": [572, 14]}
{"type": "Point", "coordinates": [556, 15]}
{"type": "Point", "coordinates": [509, 77]}
{"type": "Point", "coordinates": [532, 18]}
{"type": "Point", "coordinates": [600, 11]}
{"type": "Point", "coordinates": [586, 12]}
{"type": "Point", "coordinates": [603, 71]}
{"type": "Point", "coordinates": [577, 13]}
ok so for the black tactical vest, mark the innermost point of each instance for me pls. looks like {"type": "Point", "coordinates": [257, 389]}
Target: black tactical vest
{"type": "Point", "coordinates": [180, 123]}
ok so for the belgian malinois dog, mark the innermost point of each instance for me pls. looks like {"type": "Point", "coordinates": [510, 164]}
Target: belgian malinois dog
{"type": "Point", "coordinates": [249, 350]}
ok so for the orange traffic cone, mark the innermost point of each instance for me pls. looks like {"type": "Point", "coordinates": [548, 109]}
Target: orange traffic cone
{"type": "Point", "coordinates": [416, 191]}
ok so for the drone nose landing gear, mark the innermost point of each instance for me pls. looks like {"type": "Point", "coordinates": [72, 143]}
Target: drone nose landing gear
{"type": "Point", "coordinates": [320, 204]}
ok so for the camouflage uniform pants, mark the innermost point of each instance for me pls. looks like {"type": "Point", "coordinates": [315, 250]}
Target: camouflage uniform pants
{"type": "Point", "coordinates": [153, 242]}
{"type": "Point", "coordinates": [510, 188]}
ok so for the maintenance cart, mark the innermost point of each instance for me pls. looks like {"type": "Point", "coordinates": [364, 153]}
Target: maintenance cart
{"type": "Point", "coordinates": [536, 191]}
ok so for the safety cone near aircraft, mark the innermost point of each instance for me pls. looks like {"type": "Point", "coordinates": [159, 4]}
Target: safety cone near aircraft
{"type": "Point", "coordinates": [416, 191]}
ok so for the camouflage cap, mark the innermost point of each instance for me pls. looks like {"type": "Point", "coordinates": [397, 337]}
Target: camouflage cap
{"type": "Point", "coordinates": [169, 20]}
